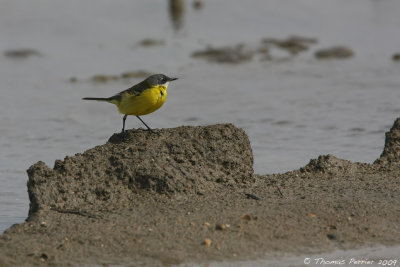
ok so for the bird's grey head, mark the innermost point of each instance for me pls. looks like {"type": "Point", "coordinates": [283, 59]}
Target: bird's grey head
{"type": "Point", "coordinates": [159, 79]}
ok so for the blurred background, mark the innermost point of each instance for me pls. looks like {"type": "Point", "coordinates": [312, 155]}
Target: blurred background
{"type": "Point", "coordinates": [303, 78]}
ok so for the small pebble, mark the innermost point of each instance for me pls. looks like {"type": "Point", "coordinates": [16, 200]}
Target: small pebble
{"type": "Point", "coordinates": [245, 217]}
{"type": "Point", "coordinates": [207, 242]}
{"type": "Point", "coordinates": [207, 224]}
{"type": "Point", "coordinates": [221, 226]}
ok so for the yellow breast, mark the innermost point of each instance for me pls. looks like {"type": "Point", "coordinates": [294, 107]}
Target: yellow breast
{"type": "Point", "coordinates": [144, 103]}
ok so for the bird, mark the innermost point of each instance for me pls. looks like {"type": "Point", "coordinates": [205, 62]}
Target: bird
{"type": "Point", "coordinates": [140, 99]}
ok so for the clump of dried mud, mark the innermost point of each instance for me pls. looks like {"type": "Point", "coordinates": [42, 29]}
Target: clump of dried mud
{"type": "Point", "coordinates": [189, 194]}
{"type": "Point", "coordinates": [184, 160]}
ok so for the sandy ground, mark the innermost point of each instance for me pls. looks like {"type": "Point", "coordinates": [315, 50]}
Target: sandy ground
{"type": "Point", "coordinates": [189, 194]}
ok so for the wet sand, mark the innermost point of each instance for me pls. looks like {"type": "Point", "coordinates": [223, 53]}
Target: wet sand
{"type": "Point", "coordinates": [189, 195]}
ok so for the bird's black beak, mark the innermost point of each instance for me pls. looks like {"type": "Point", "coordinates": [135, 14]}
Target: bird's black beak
{"type": "Point", "coordinates": [172, 79]}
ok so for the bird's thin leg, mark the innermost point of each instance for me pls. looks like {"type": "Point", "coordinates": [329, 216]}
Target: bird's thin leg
{"type": "Point", "coordinates": [145, 124]}
{"type": "Point", "coordinates": [123, 123]}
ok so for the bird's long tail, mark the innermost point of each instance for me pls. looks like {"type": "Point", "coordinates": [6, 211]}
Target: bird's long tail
{"type": "Point", "coordinates": [97, 99]}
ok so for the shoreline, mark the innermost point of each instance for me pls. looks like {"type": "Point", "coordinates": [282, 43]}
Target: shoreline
{"type": "Point", "coordinates": [189, 195]}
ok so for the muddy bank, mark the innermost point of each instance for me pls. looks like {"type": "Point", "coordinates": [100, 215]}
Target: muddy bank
{"type": "Point", "coordinates": [189, 194]}
{"type": "Point", "coordinates": [21, 53]}
{"type": "Point", "coordinates": [241, 53]}
{"type": "Point", "coordinates": [292, 46]}
{"type": "Point", "coordinates": [104, 78]}
{"type": "Point", "coordinates": [337, 52]}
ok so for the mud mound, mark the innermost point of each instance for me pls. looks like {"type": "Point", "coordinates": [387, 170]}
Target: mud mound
{"type": "Point", "coordinates": [184, 160]}
{"type": "Point", "coordinates": [329, 164]}
{"type": "Point", "coordinates": [391, 152]}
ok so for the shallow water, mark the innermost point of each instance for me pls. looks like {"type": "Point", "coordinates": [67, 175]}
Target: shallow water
{"type": "Point", "coordinates": [293, 109]}
{"type": "Point", "coordinates": [372, 257]}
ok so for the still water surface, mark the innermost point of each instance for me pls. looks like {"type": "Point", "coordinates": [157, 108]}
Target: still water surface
{"type": "Point", "coordinates": [292, 108]}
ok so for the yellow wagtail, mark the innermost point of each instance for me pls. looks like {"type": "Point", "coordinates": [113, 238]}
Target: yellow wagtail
{"type": "Point", "coordinates": [141, 99]}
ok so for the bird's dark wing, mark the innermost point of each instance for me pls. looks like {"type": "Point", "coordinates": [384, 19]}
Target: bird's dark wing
{"type": "Point", "coordinates": [137, 89]}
